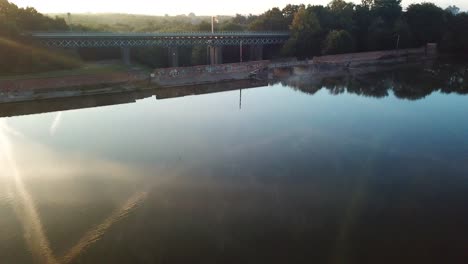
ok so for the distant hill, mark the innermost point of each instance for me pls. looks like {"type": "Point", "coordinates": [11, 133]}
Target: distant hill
{"type": "Point", "coordinates": [136, 23]}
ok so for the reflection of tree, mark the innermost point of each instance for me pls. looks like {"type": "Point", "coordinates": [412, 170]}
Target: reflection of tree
{"type": "Point", "coordinates": [414, 84]}
{"type": "Point", "coordinates": [371, 86]}
{"type": "Point", "coordinates": [456, 80]}
{"type": "Point", "coordinates": [304, 84]}
{"type": "Point", "coordinates": [410, 83]}
{"type": "Point", "coordinates": [335, 85]}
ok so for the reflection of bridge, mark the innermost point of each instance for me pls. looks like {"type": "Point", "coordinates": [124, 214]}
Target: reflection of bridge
{"type": "Point", "coordinates": [97, 100]}
{"type": "Point", "coordinates": [125, 41]}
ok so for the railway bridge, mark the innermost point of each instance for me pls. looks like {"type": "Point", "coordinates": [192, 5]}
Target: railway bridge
{"type": "Point", "coordinates": [172, 41]}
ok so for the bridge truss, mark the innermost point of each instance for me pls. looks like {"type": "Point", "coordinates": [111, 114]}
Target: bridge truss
{"type": "Point", "coordinates": [83, 40]}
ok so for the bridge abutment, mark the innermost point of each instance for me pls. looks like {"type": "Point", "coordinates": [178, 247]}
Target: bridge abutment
{"type": "Point", "coordinates": [216, 55]}
{"type": "Point", "coordinates": [126, 55]}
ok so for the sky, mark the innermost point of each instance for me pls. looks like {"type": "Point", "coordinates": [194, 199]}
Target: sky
{"type": "Point", "coordinates": [177, 7]}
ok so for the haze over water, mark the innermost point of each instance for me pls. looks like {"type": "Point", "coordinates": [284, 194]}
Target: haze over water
{"type": "Point", "coordinates": [355, 169]}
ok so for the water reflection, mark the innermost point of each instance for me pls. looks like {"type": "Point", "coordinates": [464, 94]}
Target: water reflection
{"type": "Point", "coordinates": [39, 164]}
{"type": "Point", "coordinates": [411, 82]}
{"type": "Point", "coordinates": [292, 178]}
{"type": "Point", "coordinates": [23, 203]}
{"type": "Point", "coordinates": [408, 82]}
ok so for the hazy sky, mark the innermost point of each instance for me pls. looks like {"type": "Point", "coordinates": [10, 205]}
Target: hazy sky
{"type": "Point", "coordinates": [175, 7]}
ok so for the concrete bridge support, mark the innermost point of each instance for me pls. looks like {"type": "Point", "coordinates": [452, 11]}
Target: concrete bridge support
{"type": "Point", "coordinates": [256, 52]}
{"type": "Point", "coordinates": [126, 55]}
{"type": "Point", "coordinates": [216, 55]}
{"type": "Point", "coordinates": [173, 55]}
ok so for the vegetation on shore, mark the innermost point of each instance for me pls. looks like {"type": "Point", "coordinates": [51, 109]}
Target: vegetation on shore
{"type": "Point", "coordinates": [338, 27]}
{"type": "Point", "coordinates": [18, 53]}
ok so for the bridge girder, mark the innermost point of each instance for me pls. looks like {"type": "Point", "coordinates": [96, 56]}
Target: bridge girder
{"type": "Point", "coordinates": [67, 40]}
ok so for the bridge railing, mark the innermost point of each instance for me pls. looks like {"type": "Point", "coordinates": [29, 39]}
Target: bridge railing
{"type": "Point", "coordinates": [70, 34]}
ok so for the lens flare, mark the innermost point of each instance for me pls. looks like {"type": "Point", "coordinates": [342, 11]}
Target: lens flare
{"type": "Point", "coordinates": [23, 204]}
{"type": "Point", "coordinates": [55, 124]}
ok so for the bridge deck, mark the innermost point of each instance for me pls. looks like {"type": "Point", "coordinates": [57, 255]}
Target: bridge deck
{"type": "Point", "coordinates": [224, 34]}
{"type": "Point", "coordinates": [166, 39]}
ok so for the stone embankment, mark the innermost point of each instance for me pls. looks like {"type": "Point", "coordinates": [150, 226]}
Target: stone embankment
{"type": "Point", "coordinates": [180, 76]}
{"type": "Point", "coordinates": [34, 88]}
{"type": "Point", "coordinates": [44, 83]}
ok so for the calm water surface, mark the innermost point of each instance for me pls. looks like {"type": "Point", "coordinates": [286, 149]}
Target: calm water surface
{"type": "Point", "coordinates": [357, 169]}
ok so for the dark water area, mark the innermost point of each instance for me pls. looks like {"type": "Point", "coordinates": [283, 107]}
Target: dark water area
{"type": "Point", "coordinates": [368, 167]}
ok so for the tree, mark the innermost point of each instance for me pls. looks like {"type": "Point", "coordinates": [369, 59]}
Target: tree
{"type": "Point", "coordinates": [20, 54]}
{"type": "Point", "coordinates": [229, 26]}
{"type": "Point", "coordinates": [239, 19]}
{"type": "Point", "coordinates": [403, 34]}
{"type": "Point", "coordinates": [337, 42]}
{"type": "Point", "coordinates": [204, 26]}
{"type": "Point", "coordinates": [389, 10]}
{"type": "Point", "coordinates": [362, 18]}
{"type": "Point", "coordinates": [455, 38]}
{"type": "Point", "coordinates": [304, 30]}
{"type": "Point", "coordinates": [454, 10]}
{"type": "Point", "coordinates": [379, 36]}
{"type": "Point", "coordinates": [367, 3]}
{"type": "Point", "coordinates": [289, 11]}
{"type": "Point", "coordinates": [426, 21]}
{"type": "Point", "coordinates": [271, 20]}
{"type": "Point", "coordinates": [342, 12]}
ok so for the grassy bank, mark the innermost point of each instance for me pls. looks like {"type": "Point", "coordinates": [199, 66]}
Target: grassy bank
{"type": "Point", "coordinates": [86, 69]}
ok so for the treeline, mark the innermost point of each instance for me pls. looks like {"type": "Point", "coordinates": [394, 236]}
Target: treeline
{"type": "Point", "coordinates": [338, 27]}
{"type": "Point", "coordinates": [19, 54]}
{"type": "Point", "coordinates": [342, 27]}
{"type": "Point", "coordinates": [136, 23]}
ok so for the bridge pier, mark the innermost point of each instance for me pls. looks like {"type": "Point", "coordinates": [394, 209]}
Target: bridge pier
{"type": "Point", "coordinates": [216, 55]}
{"type": "Point", "coordinates": [126, 55]}
{"type": "Point", "coordinates": [173, 55]}
{"type": "Point", "coordinates": [256, 52]}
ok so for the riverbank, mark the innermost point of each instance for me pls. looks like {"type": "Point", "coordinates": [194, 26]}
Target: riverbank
{"type": "Point", "coordinates": [181, 76]}
{"type": "Point", "coordinates": [112, 78]}
{"type": "Point", "coordinates": [106, 72]}
{"type": "Point", "coordinates": [93, 78]}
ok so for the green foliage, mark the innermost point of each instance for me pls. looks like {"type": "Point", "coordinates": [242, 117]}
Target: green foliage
{"type": "Point", "coordinates": [141, 23]}
{"type": "Point", "coordinates": [380, 35]}
{"type": "Point", "coordinates": [230, 26]}
{"type": "Point", "coordinates": [454, 10]}
{"type": "Point", "coordinates": [362, 18]}
{"type": "Point", "coordinates": [427, 22]}
{"type": "Point", "coordinates": [405, 38]}
{"type": "Point", "coordinates": [337, 27]}
{"type": "Point", "coordinates": [22, 55]}
{"type": "Point", "coordinates": [304, 33]}
{"type": "Point", "coordinates": [289, 11]}
{"type": "Point", "coordinates": [342, 13]}
{"type": "Point", "coordinates": [389, 10]}
{"type": "Point", "coordinates": [455, 38]}
{"type": "Point", "coordinates": [337, 42]}
{"type": "Point", "coordinates": [272, 20]}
